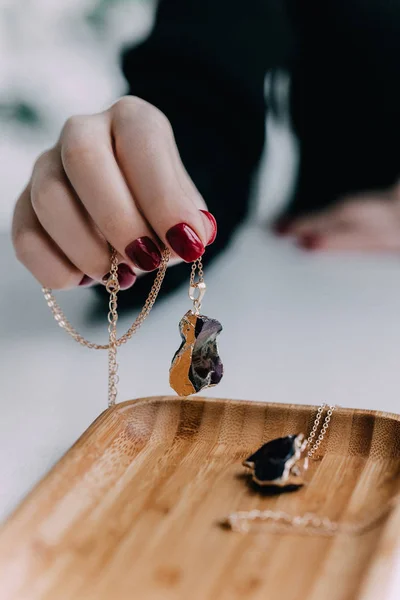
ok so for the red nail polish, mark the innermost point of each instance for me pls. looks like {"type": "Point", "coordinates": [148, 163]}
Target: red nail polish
{"type": "Point", "coordinates": [86, 280]}
{"type": "Point", "coordinates": [185, 242]}
{"type": "Point", "coordinates": [213, 222]}
{"type": "Point", "coordinates": [310, 241]}
{"type": "Point", "coordinates": [126, 276]}
{"type": "Point", "coordinates": [144, 253]}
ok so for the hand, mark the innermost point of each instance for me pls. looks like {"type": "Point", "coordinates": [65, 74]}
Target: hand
{"type": "Point", "coordinates": [114, 177]}
{"type": "Point", "coordinates": [365, 221]}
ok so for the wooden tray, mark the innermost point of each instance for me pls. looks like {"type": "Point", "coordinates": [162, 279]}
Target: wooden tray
{"type": "Point", "coordinates": [133, 510]}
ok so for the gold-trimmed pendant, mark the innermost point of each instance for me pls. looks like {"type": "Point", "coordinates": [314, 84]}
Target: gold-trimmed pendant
{"type": "Point", "coordinates": [196, 364]}
{"type": "Point", "coordinates": [279, 463]}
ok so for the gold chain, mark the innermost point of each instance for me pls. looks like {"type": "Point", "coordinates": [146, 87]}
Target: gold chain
{"type": "Point", "coordinates": [197, 265]}
{"type": "Point", "coordinates": [279, 521]}
{"type": "Point", "coordinates": [323, 431]}
{"type": "Point", "coordinates": [112, 287]}
{"type": "Point", "coordinates": [197, 286]}
{"type": "Point", "coordinates": [148, 305]}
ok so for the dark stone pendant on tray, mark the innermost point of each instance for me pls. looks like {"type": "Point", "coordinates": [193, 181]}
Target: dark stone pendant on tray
{"type": "Point", "coordinates": [279, 463]}
{"type": "Point", "coordinates": [196, 364]}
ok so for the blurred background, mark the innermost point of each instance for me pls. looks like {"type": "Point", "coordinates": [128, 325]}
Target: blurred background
{"type": "Point", "coordinates": [57, 59]}
{"type": "Point", "coordinates": [298, 328]}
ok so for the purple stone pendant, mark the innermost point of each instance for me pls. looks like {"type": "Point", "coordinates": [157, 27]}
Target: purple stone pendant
{"type": "Point", "coordinates": [279, 463]}
{"type": "Point", "coordinates": [196, 364]}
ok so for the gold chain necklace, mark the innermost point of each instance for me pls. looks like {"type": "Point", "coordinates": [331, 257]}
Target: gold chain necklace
{"type": "Point", "coordinates": [197, 290]}
{"type": "Point", "coordinates": [323, 431]}
{"type": "Point", "coordinates": [282, 462]}
{"type": "Point", "coordinates": [112, 287]}
{"type": "Point", "coordinates": [241, 521]}
{"type": "Point", "coordinates": [278, 521]}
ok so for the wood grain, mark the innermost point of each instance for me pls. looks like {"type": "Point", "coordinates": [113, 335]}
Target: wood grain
{"type": "Point", "coordinates": [133, 510]}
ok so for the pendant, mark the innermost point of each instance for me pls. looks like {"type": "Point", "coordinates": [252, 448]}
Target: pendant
{"type": "Point", "coordinates": [279, 462]}
{"type": "Point", "coordinates": [196, 364]}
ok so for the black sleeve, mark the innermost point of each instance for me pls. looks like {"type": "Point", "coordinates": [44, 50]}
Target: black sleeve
{"type": "Point", "coordinates": [204, 65]}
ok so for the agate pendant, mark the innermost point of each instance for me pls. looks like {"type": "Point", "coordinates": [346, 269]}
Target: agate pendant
{"type": "Point", "coordinates": [279, 463]}
{"type": "Point", "coordinates": [196, 364]}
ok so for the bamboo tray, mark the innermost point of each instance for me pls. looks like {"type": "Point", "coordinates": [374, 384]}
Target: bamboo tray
{"type": "Point", "coordinates": [133, 510]}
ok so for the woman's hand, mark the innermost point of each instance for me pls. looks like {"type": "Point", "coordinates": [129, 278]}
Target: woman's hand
{"type": "Point", "coordinates": [114, 177]}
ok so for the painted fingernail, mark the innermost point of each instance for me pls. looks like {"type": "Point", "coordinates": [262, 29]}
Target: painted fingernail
{"type": "Point", "coordinates": [185, 242]}
{"type": "Point", "coordinates": [126, 276]}
{"type": "Point", "coordinates": [282, 226]}
{"type": "Point", "coordinates": [310, 241]}
{"type": "Point", "coordinates": [144, 253]}
{"type": "Point", "coordinates": [86, 280]}
{"type": "Point", "coordinates": [213, 222]}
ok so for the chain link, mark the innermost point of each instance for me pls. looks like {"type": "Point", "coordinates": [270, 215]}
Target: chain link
{"type": "Point", "coordinates": [63, 322]}
{"type": "Point", "coordinates": [197, 265]}
{"type": "Point", "coordinates": [197, 284]}
{"type": "Point", "coordinates": [309, 523]}
{"type": "Point", "coordinates": [282, 522]}
{"type": "Point", "coordinates": [112, 287]}
{"type": "Point", "coordinates": [323, 431]}
{"type": "Point", "coordinates": [279, 521]}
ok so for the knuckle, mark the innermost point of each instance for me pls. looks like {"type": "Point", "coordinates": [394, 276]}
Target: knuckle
{"type": "Point", "coordinates": [158, 120]}
{"type": "Point", "coordinates": [24, 241]}
{"type": "Point", "coordinates": [126, 110]}
{"type": "Point", "coordinates": [43, 192]}
{"type": "Point", "coordinates": [127, 105]}
{"type": "Point", "coordinates": [28, 248]}
{"type": "Point", "coordinates": [131, 106]}
{"type": "Point", "coordinates": [63, 280]}
{"type": "Point", "coordinates": [73, 124]}
{"type": "Point", "coordinates": [76, 141]}
{"type": "Point", "coordinates": [42, 161]}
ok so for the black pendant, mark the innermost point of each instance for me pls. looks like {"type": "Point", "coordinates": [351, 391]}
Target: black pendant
{"type": "Point", "coordinates": [276, 463]}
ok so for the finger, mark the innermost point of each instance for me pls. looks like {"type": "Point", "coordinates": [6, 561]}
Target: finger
{"type": "Point", "coordinates": [89, 163]}
{"type": "Point", "coordinates": [160, 186]}
{"type": "Point", "coordinates": [311, 224]}
{"type": "Point", "coordinates": [65, 219]}
{"type": "Point", "coordinates": [38, 252]}
{"type": "Point", "coordinates": [191, 191]}
{"type": "Point", "coordinates": [349, 240]}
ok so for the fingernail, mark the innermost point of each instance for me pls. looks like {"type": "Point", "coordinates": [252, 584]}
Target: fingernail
{"type": "Point", "coordinates": [310, 241]}
{"type": "Point", "coordinates": [144, 253]}
{"type": "Point", "coordinates": [126, 276]}
{"type": "Point", "coordinates": [185, 242]}
{"type": "Point", "coordinates": [213, 222]}
{"type": "Point", "coordinates": [282, 226]}
{"type": "Point", "coordinates": [86, 280]}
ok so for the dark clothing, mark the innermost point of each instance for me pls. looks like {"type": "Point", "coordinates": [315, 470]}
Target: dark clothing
{"type": "Point", "coordinates": [204, 66]}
